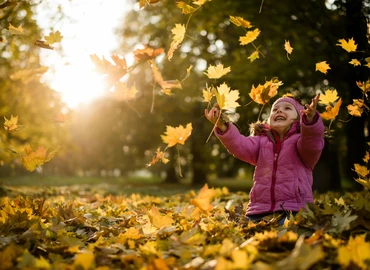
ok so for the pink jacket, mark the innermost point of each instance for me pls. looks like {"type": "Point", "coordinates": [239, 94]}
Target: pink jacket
{"type": "Point", "coordinates": [282, 178]}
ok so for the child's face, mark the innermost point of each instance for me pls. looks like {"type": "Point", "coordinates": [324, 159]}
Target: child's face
{"type": "Point", "coordinates": [282, 116]}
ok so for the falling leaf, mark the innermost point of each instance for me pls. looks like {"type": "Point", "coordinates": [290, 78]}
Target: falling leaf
{"type": "Point", "coordinates": [255, 55]}
{"type": "Point", "coordinates": [11, 124]}
{"type": "Point", "coordinates": [148, 53]}
{"type": "Point", "coordinates": [249, 37]}
{"type": "Point", "coordinates": [33, 159]}
{"type": "Point", "coordinates": [15, 30]}
{"type": "Point", "coordinates": [142, 3]}
{"type": "Point", "coordinates": [177, 135]}
{"type": "Point", "coordinates": [356, 251]}
{"type": "Point", "coordinates": [53, 38]}
{"type": "Point", "coordinates": [166, 86]}
{"type": "Point", "coordinates": [328, 97]}
{"type": "Point", "coordinates": [178, 36]}
{"type": "Point", "coordinates": [364, 86]}
{"type": "Point", "coordinates": [349, 45]}
{"type": "Point", "coordinates": [361, 170]}
{"type": "Point", "coordinates": [112, 72]}
{"type": "Point", "coordinates": [239, 21]}
{"type": "Point", "coordinates": [355, 62]}
{"type": "Point", "coordinates": [355, 110]}
{"type": "Point", "coordinates": [226, 98]}
{"type": "Point", "coordinates": [208, 93]}
{"type": "Point", "coordinates": [216, 72]}
{"type": "Point", "coordinates": [200, 2]}
{"type": "Point", "coordinates": [263, 93]}
{"type": "Point", "coordinates": [124, 93]}
{"type": "Point", "coordinates": [43, 44]}
{"type": "Point", "coordinates": [288, 48]}
{"type": "Point", "coordinates": [185, 8]}
{"type": "Point", "coordinates": [159, 156]}
{"type": "Point", "coordinates": [322, 66]}
{"type": "Point", "coordinates": [204, 198]}
{"type": "Point", "coordinates": [331, 112]}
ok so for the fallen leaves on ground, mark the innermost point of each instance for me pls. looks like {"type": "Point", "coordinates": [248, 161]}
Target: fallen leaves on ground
{"type": "Point", "coordinates": [80, 227]}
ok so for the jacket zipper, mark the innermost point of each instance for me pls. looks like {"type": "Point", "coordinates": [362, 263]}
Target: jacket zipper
{"type": "Point", "coordinates": [272, 189]}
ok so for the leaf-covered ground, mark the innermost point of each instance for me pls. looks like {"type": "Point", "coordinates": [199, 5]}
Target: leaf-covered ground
{"type": "Point", "coordinates": [84, 228]}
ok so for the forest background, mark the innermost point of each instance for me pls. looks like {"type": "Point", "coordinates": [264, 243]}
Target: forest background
{"type": "Point", "coordinates": [112, 137]}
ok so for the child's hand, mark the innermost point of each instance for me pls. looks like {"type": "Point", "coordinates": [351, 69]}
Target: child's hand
{"type": "Point", "coordinates": [214, 117]}
{"type": "Point", "coordinates": [310, 110]}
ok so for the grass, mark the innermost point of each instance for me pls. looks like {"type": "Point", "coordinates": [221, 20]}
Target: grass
{"type": "Point", "coordinates": [109, 185]}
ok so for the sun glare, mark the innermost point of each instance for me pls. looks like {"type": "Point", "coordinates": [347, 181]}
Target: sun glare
{"type": "Point", "coordinates": [78, 83]}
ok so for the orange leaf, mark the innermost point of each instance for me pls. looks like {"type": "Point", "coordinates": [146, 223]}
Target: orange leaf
{"type": "Point", "coordinates": [263, 93]}
{"type": "Point", "coordinates": [177, 135]}
{"type": "Point", "coordinates": [331, 112]}
{"type": "Point", "coordinates": [322, 66]}
{"type": "Point", "coordinates": [239, 21]}
{"type": "Point", "coordinates": [147, 53]}
{"type": "Point", "coordinates": [203, 200]}
{"type": "Point", "coordinates": [33, 159]}
{"type": "Point", "coordinates": [249, 37]}
{"type": "Point", "coordinates": [159, 156]}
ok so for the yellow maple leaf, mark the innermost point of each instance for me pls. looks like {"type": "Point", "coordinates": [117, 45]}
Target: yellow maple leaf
{"type": "Point", "coordinates": [254, 55]}
{"type": "Point", "coordinates": [15, 30]}
{"type": "Point", "coordinates": [159, 156]}
{"type": "Point", "coordinates": [84, 261]}
{"type": "Point", "coordinates": [356, 251]}
{"type": "Point", "coordinates": [323, 67]}
{"type": "Point", "coordinates": [364, 86]}
{"type": "Point", "coordinates": [178, 36]}
{"type": "Point", "coordinates": [216, 72]}
{"type": "Point", "coordinates": [263, 93]}
{"type": "Point", "coordinates": [363, 182]}
{"type": "Point", "coordinates": [143, 3]}
{"type": "Point", "coordinates": [204, 198]}
{"type": "Point", "coordinates": [355, 62]}
{"type": "Point", "coordinates": [53, 38]}
{"type": "Point", "coordinates": [239, 21]}
{"type": "Point", "coordinates": [349, 45]}
{"type": "Point", "coordinates": [208, 93]}
{"type": "Point", "coordinates": [288, 48]}
{"type": "Point", "coordinates": [328, 97]}
{"type": "Point", "coordinates": [200, 2]}
{"type": "Point", "coordinates": [177, 135]}
{"type": "Point", "coordinates": [361, 170]}
{"type": "Point", "coordinates": [355, 110]}
{"type": "Point", "coordinates": [249, 37]}
{"type": "Point", "coordinates": [166, 86]}
{"type": "Point", "coordinates": [331, 112]}
{"type": "Point", "coordinates": [159, 220]}
{"type": "Point", "coordinates": [11, 124]}
{"type": "Point", "coordinates": [185, 8]}
{"type": "Point", "coordinates": [226, 98]}
{"type": "Point", "coordinates": [33, 159]}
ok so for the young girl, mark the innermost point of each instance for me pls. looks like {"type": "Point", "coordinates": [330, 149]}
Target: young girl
{"type": "Point", "coordinates": [284, 151]}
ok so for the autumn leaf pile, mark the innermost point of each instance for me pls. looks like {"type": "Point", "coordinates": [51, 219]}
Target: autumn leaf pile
{"type": "Point", "coordinates": [83, 228]}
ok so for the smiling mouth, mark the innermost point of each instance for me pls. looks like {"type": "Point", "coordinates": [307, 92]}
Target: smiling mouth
{"type": "Point", "coordinates": [280, 118]}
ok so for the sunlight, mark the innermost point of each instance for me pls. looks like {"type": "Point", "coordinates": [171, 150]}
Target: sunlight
{"type": "Point", "coordinates": [72, 72]}
{"type": "Point", "coordinates": [78, 83]}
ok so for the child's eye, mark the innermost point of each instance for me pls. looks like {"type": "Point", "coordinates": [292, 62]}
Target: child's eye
{"type": "Point", "coordinates": [288, 108]}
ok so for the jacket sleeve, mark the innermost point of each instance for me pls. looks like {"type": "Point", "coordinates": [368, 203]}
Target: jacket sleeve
{"type": "Point", "coordinates": [240, 146]}
{"type": "Point", "coordinates": [311, 142]}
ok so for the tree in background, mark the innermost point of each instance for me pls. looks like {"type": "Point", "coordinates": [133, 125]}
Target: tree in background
{"type": "Point", "coordinates": [312, 27]}
{"type": "Point", "coordinates": [21, 92]}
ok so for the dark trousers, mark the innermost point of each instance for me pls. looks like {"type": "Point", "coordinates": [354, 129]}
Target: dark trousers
{"type": "Point", "coordinates": [283, 215]}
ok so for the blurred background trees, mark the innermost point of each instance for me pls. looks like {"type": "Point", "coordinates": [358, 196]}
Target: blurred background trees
{"type": "Point", "coordinates": [120, 137]}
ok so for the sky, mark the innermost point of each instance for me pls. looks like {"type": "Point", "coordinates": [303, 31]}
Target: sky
{"type": "Point", "coordinates": [88, 30]}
